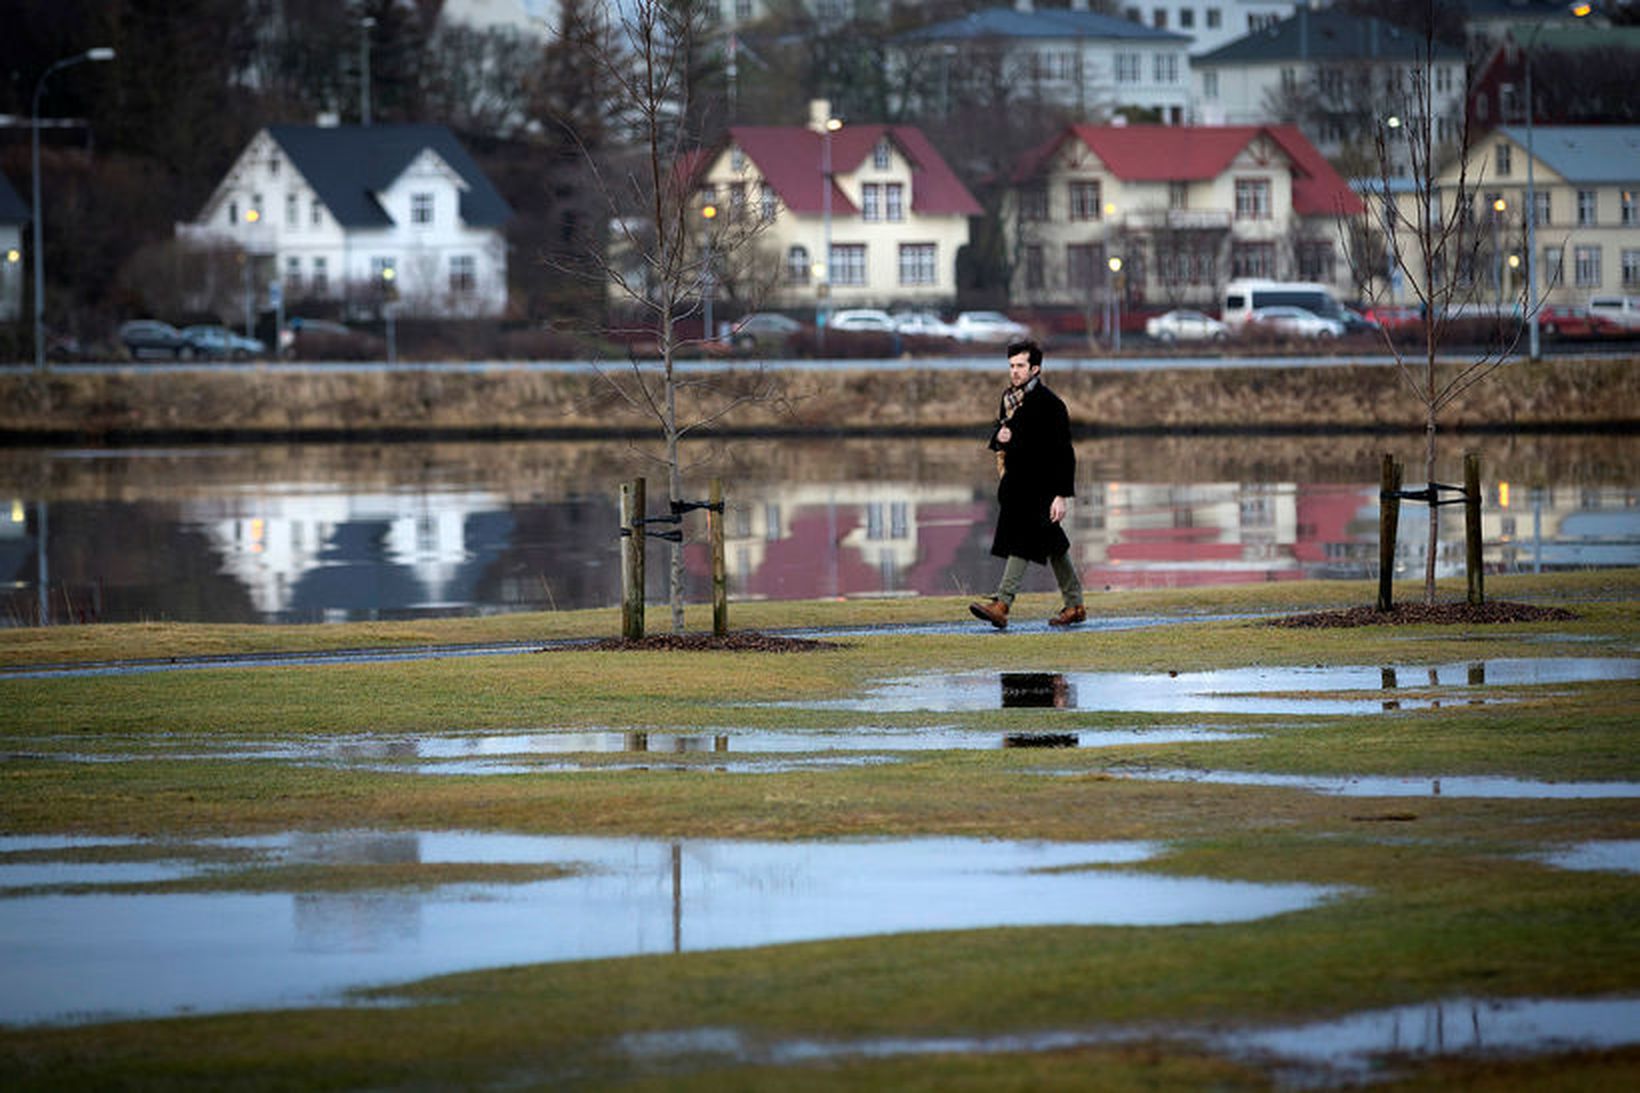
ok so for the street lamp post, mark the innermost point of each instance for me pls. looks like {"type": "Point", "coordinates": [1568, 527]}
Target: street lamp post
{"type": "Point", "coordinates": [1115, 265]}
{"type": "Point", "coordinates": [100, 53]}
{"type": "Point", "coordinates": [1498, 208]}
{"type": "Point", "coordinates": [389, 294]}
{"type": "Point", "coordinates": [709, 214]}
{"type": "Point", "coordinates": [823, 289]}
{"type": "Point", "coordinates": [1578, 11]}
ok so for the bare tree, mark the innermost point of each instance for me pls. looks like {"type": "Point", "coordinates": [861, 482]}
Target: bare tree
{"type": "Point", "coordinates": [664, 254]}
{"type": "Point", "coordinates": [1434, 244]}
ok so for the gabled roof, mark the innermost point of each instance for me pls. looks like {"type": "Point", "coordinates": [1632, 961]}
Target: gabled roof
{"type": "Point", "coordinates": [12, 209]}
{"type": "Point", "coordinates": [1584, 153]}
{"type": "Point", "coordinates": [789, 158]}
{"type": "Point", "coordinates": [1195, 153]}
{"type": "Point", "coordinates": [1328, 36]}
{"type": "Point", "coordinates": [347, 165]}
{"type": "Point", "coordinates": [1058, 23]}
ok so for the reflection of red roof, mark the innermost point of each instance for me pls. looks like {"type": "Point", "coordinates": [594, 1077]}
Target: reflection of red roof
{"type": "Point", "coordinates": [1186, 153]}
{"type": "Point", "coordinates": [789, 158]}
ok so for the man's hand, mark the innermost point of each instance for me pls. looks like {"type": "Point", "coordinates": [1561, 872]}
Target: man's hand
{"type": "Point", "coordinates": [1056, 510]}
{"type": "Point", "coordinates": [1004, 435]}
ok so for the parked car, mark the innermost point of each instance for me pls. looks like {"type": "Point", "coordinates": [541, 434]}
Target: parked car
{"type": "Point", "coordinates": [990, 327]}
{"type": "Point", "coordinates": [1186, 326]}
{"type": "Point", "coordinates": [1290, 322]}
{"type": "Point", "coordinates": [763, 328]}
{"type": "Point", "coordinates": [1623, 311]}
{"type": "Point", "coordinates": [152, 338]}
{"type": "Point", "coordinates": [922, 324]}
{"type": "Point", "coordinates": [1577, 322]}
{"type": "Point", "coordinates": [861, 318]}
{"type": "Point", "coordinates": [1357, 323]}
{"type": "Point", "coordinates": [219, 343]}
{"type": "Point", "coordinates": [1395, 317]}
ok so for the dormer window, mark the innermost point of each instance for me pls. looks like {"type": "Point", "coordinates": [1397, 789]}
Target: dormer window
{"type": "Point", "coordinates": [880, 155]}
{"type": "Point", "coordinates": [421, 208]}
{"type": "Point", "coordinates": [737, 159]}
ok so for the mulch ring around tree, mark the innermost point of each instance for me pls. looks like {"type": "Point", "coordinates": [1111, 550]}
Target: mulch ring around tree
{"type": "Point", "coordinates": [740, 641]}
{"type": "Point", "coordinates": [1437, 614]}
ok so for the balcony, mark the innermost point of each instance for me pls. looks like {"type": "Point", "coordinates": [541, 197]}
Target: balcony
{"type": "Point", "coordinates": [1178, 220]}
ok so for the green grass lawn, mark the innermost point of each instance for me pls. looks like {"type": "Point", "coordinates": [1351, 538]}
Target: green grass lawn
{"type": "Point", "coordinates": [1446, 902]}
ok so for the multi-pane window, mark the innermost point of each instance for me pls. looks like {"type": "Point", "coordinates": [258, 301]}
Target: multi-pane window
{"type": "Point", "coordinates": [1178, 195]}
{"type": "Point", "coordinates": [1033, 202]}
{"type": "Point", "coordinates": [880, 155]}
{"type": "Point", "coordinates": [1167, 68]}
{"type": "Point", "coordinates": [1503, 156]}
{"type": "Point", "coordinates": [1631, 268]}
{"type": "Point", "coordinates": [1187, 18]}
{"type": "Point", "coordinates": [1035, 274]}
{"type": "Point", "coordinates": [1252, 199]}
{"type": "Point", "coordinates": [848, 263]}
{"type": "Point", "coordinates": [894, 201]}
{"type": "Point", "coordinates": [1253, 260]}
{"type": "Point", "coordinates": [1127, 67]}
{"type": "Point", "coordinates": [1158, 18]}
{"type": "Point", "coordinates": [1443, 79]}
{"type": "Point", "coordinates": [1084, 200]}
{"type": "Point", "coordinates": [917, 264]}
{"type": "Point", "coordinates": [871, 201]}
{"type": "Point", "coordinates": [1587, 208]}
{"type": "Point", "coordinates": [321, 276]}
{"type": "Point", "coordinates": [1085, 265]}
{"type": "Point", "coordinates": [292, 211]}
{"type": "Point", "coordinates": [421, 208]}
{"type": "Point", "coordinates": [797, 265]}
{"type": "Point", "coordinates": [316, 212]}
{"type": "Point", "coordinates": [463, 274]}
{"type": "Point", "coordinates": [1316, 260]}
{"type": "Point", "coordinates": [1586, 266]}
{"type": "Point", "coordinates": [1554, 266]}
{"type": "Point", "coordinates": [1210, 85]}
{"type": "Point", "coordinates": [1540, 215]}
{"type": "Point", "coordinates": [1215, 18]}
{"type": "Point", "coordinates": [769, 202]}
{"type": "Point", "coordinates": [1629, 208]}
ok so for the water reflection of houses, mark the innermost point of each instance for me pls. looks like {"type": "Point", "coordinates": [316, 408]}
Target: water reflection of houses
{"type": "Point", "coordinates": [846, 538]}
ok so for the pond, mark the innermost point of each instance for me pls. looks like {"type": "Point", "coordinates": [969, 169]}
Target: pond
{"type": "Point", "coordinates": [287, 533]}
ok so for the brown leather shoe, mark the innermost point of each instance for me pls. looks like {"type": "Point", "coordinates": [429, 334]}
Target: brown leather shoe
{"type": "Point", "coordinates": [1070, 616]}
{"type": "Point", "coordinates": [994, 612]}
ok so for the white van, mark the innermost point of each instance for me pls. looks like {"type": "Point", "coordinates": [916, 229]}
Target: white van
{"type": "Point", "coordinates": [1622, 310]}
{"type": "Point", "coordinates": [1242, 298]}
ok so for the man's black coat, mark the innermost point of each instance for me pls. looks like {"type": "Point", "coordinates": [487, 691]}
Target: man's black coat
{"type": "Point", "coordinates": [1039, 465]}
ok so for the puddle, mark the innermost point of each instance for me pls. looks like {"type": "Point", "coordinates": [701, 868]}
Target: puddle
{"type": "Point", "coordinates": [1604, 856]}
{"type": "Point", "coordinates": [1369, 786]}
{"type": "Point", "coordinates": [513, 753]}
{"type": "Point", "coordinates": [105, 955]}
{"type": "Point", "coordinates": [1350, 1049]}
{"type": "Point", "coordinates": [1259, 690]}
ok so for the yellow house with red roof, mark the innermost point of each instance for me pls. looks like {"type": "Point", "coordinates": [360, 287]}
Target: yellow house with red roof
{"type": "Point", "coordinates": [849, 215]}
{"type": "Point", "coordinates": [1185, 208]}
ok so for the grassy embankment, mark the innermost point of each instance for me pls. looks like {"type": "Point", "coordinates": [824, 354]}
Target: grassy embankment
{"type": "Point", "coordinates": [1446, 903]}
{"type": "Point", "coordinates": [134, 403]}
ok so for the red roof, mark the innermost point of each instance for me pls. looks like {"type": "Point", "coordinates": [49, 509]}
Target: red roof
{"type": "Point", "coordinates": [1186, 153]}
{"type": "Point", "coordinates": [789, 157]}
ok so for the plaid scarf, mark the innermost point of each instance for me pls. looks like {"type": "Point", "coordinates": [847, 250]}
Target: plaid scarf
{"type": "Point", "coordinates": [1012, 398]}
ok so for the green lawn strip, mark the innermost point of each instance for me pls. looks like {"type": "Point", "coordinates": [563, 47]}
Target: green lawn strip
{"type": "Point", "coordinates": [1441, 925]}
{"type": "Point", "coordinates": [121, 641]}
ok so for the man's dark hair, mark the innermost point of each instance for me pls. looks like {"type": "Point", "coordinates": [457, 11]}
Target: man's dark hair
{"type": "Point", "coordinates": [1027, 345]}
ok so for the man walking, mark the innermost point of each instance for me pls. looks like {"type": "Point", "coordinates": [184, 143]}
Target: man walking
{"type": "Point", "coordinates": [1032, 442]}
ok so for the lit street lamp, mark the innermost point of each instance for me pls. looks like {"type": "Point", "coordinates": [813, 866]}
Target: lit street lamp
{"type": "Point", "coordinates": [389, 295]}
{"type": "Point", "coordinates": [1115, 292]}
{"type": "Point", "coordinates": [823, 289]}
{"type": "Point", "coordinates": [709, 214]}
{"type": "Point", "coordinates": [1579, 11]}
{"type": "Point", "coordinates": [100, 53]}
{"type": "Point", "coordinates": [1498, 208]}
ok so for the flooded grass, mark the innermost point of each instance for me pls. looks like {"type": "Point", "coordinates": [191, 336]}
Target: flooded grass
{"type": "Point", "coordinates": [1497, 902]}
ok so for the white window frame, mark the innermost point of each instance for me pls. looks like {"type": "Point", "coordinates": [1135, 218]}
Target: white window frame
{"type": "Point", "coordinates": [918, 264]}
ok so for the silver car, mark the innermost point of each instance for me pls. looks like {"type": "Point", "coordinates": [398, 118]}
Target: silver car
{"type": "Point", "coordinates": [1184, 325]}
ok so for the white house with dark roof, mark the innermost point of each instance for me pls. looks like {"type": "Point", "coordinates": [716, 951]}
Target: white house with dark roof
{"type": "Point", "coordinates": [1333, 74]}
{"type": "Point", "coordinates": [1086, 61]}
{"type": "Point", "coordinates": [14, 215]}
{"type": "Point", "coordinates": [1208, 23]}
{"type": "Point", "coordinates": [363, 213]}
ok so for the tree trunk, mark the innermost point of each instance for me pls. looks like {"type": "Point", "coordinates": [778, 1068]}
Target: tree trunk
{"type": "Point", "coordinates": [1434, 505]}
